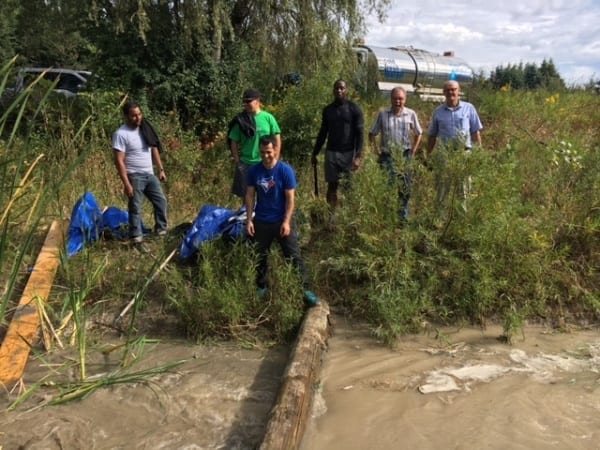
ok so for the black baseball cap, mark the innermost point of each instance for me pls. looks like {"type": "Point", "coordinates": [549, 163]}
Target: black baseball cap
{"type": "Point", "coordinates": [251, 94]}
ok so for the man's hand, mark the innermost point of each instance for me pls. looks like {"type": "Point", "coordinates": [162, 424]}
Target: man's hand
{"type": "Point", "coordinates": [355, 164]}
{"type": "Point", "coordinates": [250, 228]}
{"type": "Point", "coordinates": [128, 190]}
{"type": "Point", "coordinates": [285, 229]}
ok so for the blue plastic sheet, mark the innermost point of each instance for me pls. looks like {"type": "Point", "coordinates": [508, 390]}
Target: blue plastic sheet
{"type": "Point", "coordinates": [86, 223]}
{"type": "Point", "coordinates": [212, 222]}
{"type": "Point", "coordinates": [116, 221]}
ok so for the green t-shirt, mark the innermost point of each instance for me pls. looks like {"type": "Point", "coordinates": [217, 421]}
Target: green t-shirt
{"type": "Point", "coordinates": [266, 125]}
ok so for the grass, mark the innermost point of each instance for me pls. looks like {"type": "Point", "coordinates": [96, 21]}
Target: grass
{"type": "Point", "coordinates": [525, 249]}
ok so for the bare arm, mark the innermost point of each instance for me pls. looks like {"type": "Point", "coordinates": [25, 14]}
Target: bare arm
{"type": "Point", "coordinates": [235, 151]}
{"type": "Point", "coordinates": [122, 171]}
{"type": "Point", "coordinates": [249, 201]}
{"type": "Point", "coordinates": [476, 138]}
{"type": "Point", "coordinates": [286, 226]}
{"type": "Point", "coordinates": [430, 143]}
{"type": "Point", "coordinates": [158, 162]}
{"type": "Point", "coordinates": [278, 145]}
{"type": "Point", "coordinates": [416, 144]}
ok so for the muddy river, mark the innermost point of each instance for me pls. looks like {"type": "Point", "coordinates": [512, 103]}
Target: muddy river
{"type": "Point", "coordinates": [459, 389]}
{"type": "Point", "coordinates": [218, 399]}
{"type": "Point", "coordinates": [448, 389]}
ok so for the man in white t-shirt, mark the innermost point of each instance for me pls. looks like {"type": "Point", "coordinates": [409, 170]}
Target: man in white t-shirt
{"type": "Point", "coordinates": [134, 159]}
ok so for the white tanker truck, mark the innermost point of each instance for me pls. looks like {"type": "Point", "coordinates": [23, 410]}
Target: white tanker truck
{"type": "Point", "coordinates": [420, 72]}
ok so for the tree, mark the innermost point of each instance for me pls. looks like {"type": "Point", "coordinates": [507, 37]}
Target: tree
{"type": "Point", "coordinates": [194, 56]}
{"type": "Point", "coordinates": [9, 11]}
{"type": "Point", "coordinates": [49, 33]}
{"type": "Point", "coordinates": [550, 77]}
{"type": "Point", "coordinates": [527, 76]}
{"type": "Point", "coordinates": [531, 77]}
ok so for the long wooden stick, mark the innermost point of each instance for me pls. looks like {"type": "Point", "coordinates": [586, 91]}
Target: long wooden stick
{"type": "Point", "coordinates": [154, 275]}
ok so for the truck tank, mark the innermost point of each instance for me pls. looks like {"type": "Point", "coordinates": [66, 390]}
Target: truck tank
{"type": "Point", "coordinates": [418, 71]}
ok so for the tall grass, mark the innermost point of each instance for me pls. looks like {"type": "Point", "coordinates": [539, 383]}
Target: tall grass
{"type": "Point", "coordinates": [51, 152]}
{"type": "Point", "coordinates": [525, 248]}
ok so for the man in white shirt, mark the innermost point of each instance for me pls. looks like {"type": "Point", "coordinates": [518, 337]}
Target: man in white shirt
{"type": "Point", "coordinates": [134, 159]}
{"type": "Point", "coordinates": [401, 133]}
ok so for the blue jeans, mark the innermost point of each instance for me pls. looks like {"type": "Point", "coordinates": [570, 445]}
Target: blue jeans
{"type": "Point", "coordinates": [386, 161]}
{"type": "Point", "coordinates": [149, 186]}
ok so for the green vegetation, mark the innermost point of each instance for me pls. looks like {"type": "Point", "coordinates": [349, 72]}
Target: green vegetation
{"type": "Point", "coordinates": [193, 58]}
{"type": "Point", "coordinates": [527, 76]}
{"type": "Point", "coordinates": [526, 248]}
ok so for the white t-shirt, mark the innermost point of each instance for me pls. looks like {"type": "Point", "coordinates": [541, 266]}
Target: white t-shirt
{"type": "Point", "coordinates": [138, 155]}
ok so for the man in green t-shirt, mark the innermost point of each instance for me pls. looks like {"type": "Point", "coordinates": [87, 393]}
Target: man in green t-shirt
{"type": "Point", "coordinates": [245, 132]}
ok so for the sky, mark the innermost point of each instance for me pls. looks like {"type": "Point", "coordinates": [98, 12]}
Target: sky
{"type": "Point", "coordinates": [488, 34]}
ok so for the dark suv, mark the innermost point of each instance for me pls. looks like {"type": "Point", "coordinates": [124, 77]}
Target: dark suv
{"type": "Point", "coordinates": [69, 82]}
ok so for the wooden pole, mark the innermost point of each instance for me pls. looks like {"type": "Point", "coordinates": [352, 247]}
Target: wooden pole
{"type": "Point", "coordinates": [22, 333]}
{"type": "Point", "coordinates": [293, 405]}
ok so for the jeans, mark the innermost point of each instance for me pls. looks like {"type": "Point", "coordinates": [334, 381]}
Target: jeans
{"type": "Point", "coordinates": [264, 234]}
{"type": "Point", "coordinates": [146, 185]}
{"type": "Point", "coordinates": [386, 161]}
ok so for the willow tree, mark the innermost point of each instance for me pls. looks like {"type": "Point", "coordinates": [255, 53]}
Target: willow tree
{"type": "Point", "coordinates": [300, 34]}
{"type": "Point", "coordinates": [194, 55]}
{"type": "Point", "coordinates": [9, 10]}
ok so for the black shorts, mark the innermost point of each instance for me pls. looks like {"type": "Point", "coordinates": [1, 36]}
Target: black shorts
{"type": "Point", "coordinates": [337, 164]}
{"type": "Point", "coordinates": [239, 180]}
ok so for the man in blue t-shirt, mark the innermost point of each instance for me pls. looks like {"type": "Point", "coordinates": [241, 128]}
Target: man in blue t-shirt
{"type": "Point", "coordinates": [272, 184]}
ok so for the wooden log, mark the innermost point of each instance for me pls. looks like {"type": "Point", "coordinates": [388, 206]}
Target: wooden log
{"type": "Point", "coordinates": [288, 417]}
{"type": "Point", "coordinates": [23, 330]}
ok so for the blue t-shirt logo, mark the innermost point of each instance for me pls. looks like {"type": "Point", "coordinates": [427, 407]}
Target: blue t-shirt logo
{"type": "Point", "coordinates": [266, 183]}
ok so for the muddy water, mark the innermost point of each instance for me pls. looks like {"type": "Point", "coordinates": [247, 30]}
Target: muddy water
{"type": "Point", "coordinates": [218, 399]}
{"type": "Point", "coordinates": [463, 390]}
{"type": "Point", "coordinates": [460, 390]}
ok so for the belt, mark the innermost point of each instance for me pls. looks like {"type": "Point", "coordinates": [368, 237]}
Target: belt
{"type": "Point", "coordinates": [390, 153]}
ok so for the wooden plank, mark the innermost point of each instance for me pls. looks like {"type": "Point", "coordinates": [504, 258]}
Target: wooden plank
{"type": "Point", "coordinates": [22, 332]}
{"type": "Point", "coordinates": [292, 408]}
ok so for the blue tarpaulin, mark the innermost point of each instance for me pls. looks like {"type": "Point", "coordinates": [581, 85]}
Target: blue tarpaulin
{"type": "Point", "coordinates": [117, 221]}
{"type": "Point", "coordinates": [88, 222]}
{"type": "Point", "coordinates": [213, 221]}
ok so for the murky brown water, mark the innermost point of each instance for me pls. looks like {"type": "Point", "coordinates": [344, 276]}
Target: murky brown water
{"type": "Point", "coordinates": [465, 390]}
{"type": "Point", "coordinates": [219, 399]}
{"type": "Point", "coordinates": [462, 390]}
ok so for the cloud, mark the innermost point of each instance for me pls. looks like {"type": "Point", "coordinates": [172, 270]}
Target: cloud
{"type": "Point", "coordinates": [493, 33]}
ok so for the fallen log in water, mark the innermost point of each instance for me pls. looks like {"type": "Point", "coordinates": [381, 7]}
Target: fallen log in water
{"type": "Point", "coordinates": [292, 408]}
